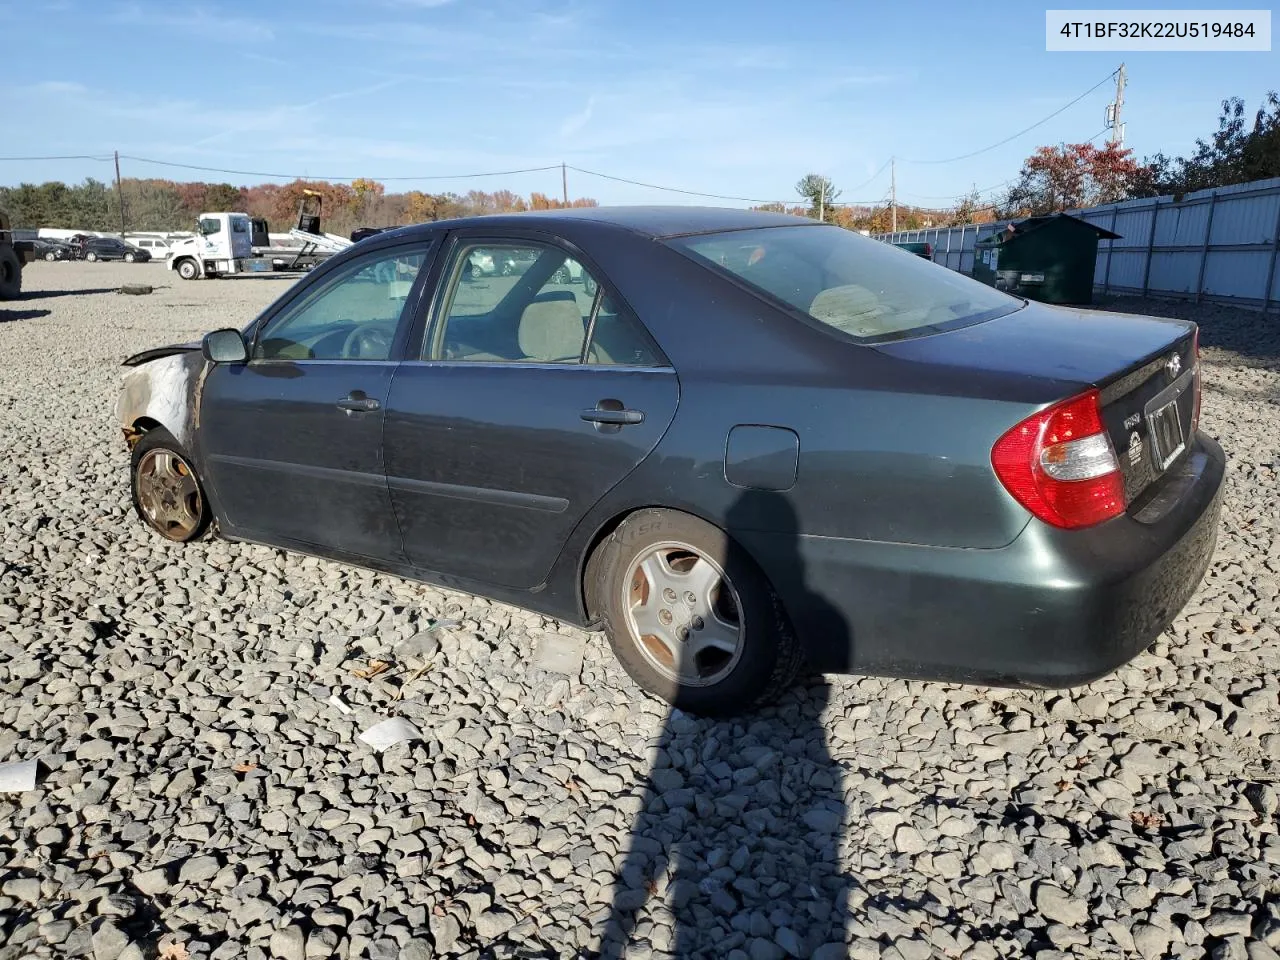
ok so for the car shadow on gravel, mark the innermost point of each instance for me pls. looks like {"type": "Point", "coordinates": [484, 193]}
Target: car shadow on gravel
{"type": "Point", "coordinates": [741, 823]}
{"type": "Point", "coordinates": [51, 294]}
{"type": "Point", "coordinates": [8, 316]}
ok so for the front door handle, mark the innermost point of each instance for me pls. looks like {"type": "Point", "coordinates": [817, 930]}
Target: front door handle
{"type": "Point", "coordinates": [357, 402]}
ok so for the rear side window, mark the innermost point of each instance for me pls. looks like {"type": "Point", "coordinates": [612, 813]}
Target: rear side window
{"type": "Point", "coordinates": [868, 290]}
{"type": "Point", "coordinates": [618, 339]}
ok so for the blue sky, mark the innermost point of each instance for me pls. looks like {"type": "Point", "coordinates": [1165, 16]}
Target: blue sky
{"type": "Point", "coordinates": [737, 98]}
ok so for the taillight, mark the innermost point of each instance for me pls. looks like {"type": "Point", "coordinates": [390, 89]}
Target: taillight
{"type": "Point", "coordinates": [1195, 382]}
{"type": "Point", "coordinates": [1060, 465]}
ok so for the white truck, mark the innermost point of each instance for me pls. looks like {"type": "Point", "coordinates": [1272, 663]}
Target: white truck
{"type": "Point", "coordinates": [225, 245]}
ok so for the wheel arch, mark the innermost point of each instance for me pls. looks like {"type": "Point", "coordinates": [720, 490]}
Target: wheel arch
{"type": "Point", "coordinates": [587, 602]}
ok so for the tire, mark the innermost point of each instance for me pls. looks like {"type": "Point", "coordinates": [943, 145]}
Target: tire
{"type": "Point", "coordinates": [91, 256]}
{"type": "Point", "coordinates": [768, 656]}
{"type": "Point", "coordinates": [51, 256]}
{"type": "Point", "coordinates": [176, 509]}
{"type": "Point", "coordinates": [589, 284]}
{"type": "Point", "coordinates": [10, 274]}
{"type": "Point", "coordinates": [128, 258]}
{"type": "Point", "coordinates": [187, 269]}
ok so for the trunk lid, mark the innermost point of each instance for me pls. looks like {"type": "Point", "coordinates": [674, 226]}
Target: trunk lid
{"type": "Point", "coordinates": [1144, 367]}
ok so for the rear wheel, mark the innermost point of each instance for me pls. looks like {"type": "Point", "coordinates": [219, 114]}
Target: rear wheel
{"type": "Point", "coordinates": [167, 494]}
{"type": "Point", "coordinates": [187, 269]}
{"type": "Point", "coordinates": [690, 616]}
{"type": "Point", "coordinates": [10, 274]}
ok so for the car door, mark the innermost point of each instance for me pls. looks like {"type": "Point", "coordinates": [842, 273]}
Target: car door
{"type": "Point", "coordinates": [504, 430]}
{"type": "Point", "coordinates": [292, 440]}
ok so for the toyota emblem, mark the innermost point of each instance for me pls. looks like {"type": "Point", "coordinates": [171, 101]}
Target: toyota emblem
{"type": "Point", "coordinates": [1173, 365]}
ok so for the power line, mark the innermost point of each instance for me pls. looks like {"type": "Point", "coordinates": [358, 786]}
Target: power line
{"type": "Point", "coordinates": [872, 178]}
{"type": "Point", "coordinates": [102, 159]}
{"type": "Point", "coordinates": [299, 176]}
{"type": "Point", "coordinates": [655, 186]}
{"type": "Point", "coordinates": [997, 186]}
{"type": "Point", "coordinates": [966, 156]}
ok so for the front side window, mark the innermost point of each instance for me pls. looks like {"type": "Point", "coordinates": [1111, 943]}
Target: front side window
{"type": "Point", "coordinates": [866, 289]}
{"type": "Point", "coordinates": [351, 316]}
{"type": "Point", "coordinates": [210, 226]}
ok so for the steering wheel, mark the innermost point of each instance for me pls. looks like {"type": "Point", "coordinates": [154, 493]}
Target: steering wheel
{"type": "Point", "coordinates": [365, 342]}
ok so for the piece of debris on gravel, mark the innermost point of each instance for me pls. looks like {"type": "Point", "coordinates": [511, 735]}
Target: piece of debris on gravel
{"type": "Point", "coordinates": [203, 793]}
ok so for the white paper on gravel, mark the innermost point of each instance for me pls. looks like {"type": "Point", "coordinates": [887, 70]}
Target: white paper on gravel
{"type": "Point", "coordinates": [17, 777]}
{"type": "Point", "coordinates": [390, 732]}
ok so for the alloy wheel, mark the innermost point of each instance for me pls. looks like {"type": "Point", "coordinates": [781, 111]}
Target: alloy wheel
{"type": "Point", "coordinates": [683, 614]}
{"type": "Point", "coordinates": [168, 494]}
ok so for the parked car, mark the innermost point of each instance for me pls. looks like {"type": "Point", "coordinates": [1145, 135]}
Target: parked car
{"type": "Point", "coordinates": [52, 249]}
{"type": "Point", "coordinates": [768, 446]}
{"type": "Point", "coordinates": [111, 248]}
{"type": "Point", "coordinates": [158, 248]}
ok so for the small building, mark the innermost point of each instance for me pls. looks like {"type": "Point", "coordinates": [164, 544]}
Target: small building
{"type": "Point", "coordinates": [1050, 259]}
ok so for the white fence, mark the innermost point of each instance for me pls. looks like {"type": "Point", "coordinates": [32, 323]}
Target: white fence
{"type": "Point", "coordinates": [1218, 245]}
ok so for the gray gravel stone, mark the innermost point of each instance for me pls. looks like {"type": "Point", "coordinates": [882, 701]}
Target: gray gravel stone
{"type": "Point", "coordinates": [288, 943]}
{"type": "Point", "coordinates": [109, 942]}
{"type": "Point", "coordinates": [1054, 903]}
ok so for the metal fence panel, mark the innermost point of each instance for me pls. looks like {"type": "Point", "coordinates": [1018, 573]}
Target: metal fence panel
{"type": "Point", "coordinates": [1221, 244]}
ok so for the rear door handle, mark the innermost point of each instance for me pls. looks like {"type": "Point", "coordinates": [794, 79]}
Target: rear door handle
{"type": "Point", "coordinates": [357, 402]}
{"type": "Point", "coordinates": [609, 416]}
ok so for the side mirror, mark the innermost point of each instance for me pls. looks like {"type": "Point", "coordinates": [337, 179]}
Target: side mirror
{"type": "Point", "coordinates": [224, 346]}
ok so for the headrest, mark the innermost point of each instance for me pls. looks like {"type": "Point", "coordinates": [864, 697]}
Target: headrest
{"type": "Point", "coordinates": [551, 331]}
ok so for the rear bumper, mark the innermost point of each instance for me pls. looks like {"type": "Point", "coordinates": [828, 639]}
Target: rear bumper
{"type": "Point", "coordinates": [1053, 609]}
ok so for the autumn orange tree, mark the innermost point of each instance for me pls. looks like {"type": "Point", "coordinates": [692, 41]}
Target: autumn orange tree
{"type": "Point", "coordinates": [1071, 176]}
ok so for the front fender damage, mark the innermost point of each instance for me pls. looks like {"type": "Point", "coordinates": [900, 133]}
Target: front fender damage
{"type": "Point", "coordinates": [164, 391]}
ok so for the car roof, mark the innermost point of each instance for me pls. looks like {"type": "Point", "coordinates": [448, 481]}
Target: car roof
{"type": "Point", "coordinates": [651, 221]}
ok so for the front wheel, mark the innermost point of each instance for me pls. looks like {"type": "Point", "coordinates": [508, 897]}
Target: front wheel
{"type": "Point", "coordinates": [188, 270]}
{"type": "Point", "coordinates": [91, 256]}
{"type": "Point", "coordinates": [690, 616]}
{"type": "Point", "coordinates": [51, 256]}
{"type": "Point", "coordinates": [128, 258]}
{"type": "Point", "coordinates": [167, 494]}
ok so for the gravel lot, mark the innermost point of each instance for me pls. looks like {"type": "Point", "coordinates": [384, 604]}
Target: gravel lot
{"type": "Point", "coordinates": [198, 787]}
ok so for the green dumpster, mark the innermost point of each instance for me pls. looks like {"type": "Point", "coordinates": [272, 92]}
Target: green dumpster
{"type": "Point", "coordinates": [1050, 259]}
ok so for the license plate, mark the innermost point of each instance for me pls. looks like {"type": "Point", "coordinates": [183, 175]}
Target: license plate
{"type": "Point", "coordinates": [1165, 427]}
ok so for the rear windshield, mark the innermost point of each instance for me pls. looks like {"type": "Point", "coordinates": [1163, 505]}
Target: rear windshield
{"type": "Point", "coordinates": [869, 290]}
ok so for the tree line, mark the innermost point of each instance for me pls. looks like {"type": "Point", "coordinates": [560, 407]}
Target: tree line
{"type": "Point", "coordinates": [1245, 147]}
{"type": "Point", "coordinates": [162, 205]}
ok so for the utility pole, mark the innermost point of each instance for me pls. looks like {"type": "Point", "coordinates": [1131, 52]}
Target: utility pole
{"type": "Point", "coordinates": [119, 193]}
{"type": "Point", "coordinates": [893, 194]}
{"type": "Point", "coordinates": [1114, 108]}
{"type": "Point", "coordinates": [564, 183]}
{"type": "Point", "coordinates": [822, 200]}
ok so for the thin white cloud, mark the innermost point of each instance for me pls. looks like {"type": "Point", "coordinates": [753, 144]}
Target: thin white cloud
{"type": "Point", "coordinates": [209, 26]}
{"type": "Point", "coordinates": [577, 121]}
{"type": "Point", "coordinates": [59, 87]}
{"type": "Point", "coordinates": [275, 117]}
